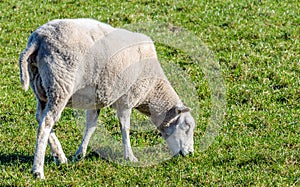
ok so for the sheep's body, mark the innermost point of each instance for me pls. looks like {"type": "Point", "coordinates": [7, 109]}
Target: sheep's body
{"type": "Point", "coordinates": [86, 64]}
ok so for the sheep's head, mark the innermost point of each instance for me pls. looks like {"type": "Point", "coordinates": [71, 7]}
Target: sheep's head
{"type": "Point", "coordinates": [179, 132]}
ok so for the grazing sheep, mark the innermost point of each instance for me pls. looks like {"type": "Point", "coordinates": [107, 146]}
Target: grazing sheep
{"type": "Point", "coordinates": [85, 64]}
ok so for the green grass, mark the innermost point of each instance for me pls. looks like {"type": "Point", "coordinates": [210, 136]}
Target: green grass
{"type": "Point", "coordinates": [257, 45]}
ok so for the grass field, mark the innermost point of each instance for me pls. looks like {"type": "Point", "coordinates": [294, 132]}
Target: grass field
{"type": "Point", "coordinates": [257, 46]}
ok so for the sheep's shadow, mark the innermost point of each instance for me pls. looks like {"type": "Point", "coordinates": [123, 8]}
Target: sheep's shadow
{"type": "Point", "coordinates": [19, 158]}
{"type": "Point", "coordinates": [15, 158]}
{"type": "Point", "coordinates": [106, 153]}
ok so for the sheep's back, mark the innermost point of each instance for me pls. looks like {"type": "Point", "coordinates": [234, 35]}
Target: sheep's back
{"type": "Point", "coordinates": [67, 40]}
{"type": "Point", "coordinates": [100, 63]}
{"type": "Point", "coordinates": [116, 63]}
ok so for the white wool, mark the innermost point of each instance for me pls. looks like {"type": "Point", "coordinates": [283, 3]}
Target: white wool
{"type": "Point", "coordinates": [86, 64]}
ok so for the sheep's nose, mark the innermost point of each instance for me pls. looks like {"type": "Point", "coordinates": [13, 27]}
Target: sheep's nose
{"type": "Point", "coordinates": [183, 153]}
{"type": "Point", "coordinates": [180, 153]}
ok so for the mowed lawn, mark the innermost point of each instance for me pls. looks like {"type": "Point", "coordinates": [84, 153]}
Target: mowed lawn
{"type": "Point", "coordinates": [257, 45]}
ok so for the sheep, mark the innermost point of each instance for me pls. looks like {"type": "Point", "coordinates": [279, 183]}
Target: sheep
{"type": "Point", "coordinates": [86, 64]}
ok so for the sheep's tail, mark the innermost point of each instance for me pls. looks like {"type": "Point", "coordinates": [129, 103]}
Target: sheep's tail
{"type": "Point", "coordinates": [23, 63]}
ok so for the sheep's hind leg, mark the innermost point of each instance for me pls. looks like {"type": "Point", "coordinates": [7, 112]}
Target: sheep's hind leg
{"type": "Point", "coordinates": [124, 118]}
{"type": "Point", "coordinates": [53, 110]}
{"type": "Point", "coordinates": [56, 149]}
{"type": "Point", "coordinates": [55, 146]}
{"type": "Point", "coordinates": [91, 124]}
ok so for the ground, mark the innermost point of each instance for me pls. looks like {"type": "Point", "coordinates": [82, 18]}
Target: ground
{"type": "Point", "coordinates": [257, 46]}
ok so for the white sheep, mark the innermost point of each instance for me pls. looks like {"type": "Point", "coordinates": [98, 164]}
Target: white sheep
{"type": "Point", "coordinates": [86, 64]}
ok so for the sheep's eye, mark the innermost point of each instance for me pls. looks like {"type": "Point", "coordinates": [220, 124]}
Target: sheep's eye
{"type": "Point", "coordinates": [185, 126]}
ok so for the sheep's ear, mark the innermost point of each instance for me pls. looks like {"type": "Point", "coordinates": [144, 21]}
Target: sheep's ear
{"type": "Point", "coordinates": [181, 109]}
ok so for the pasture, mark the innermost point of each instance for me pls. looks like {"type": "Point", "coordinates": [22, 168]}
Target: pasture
{"type": "Point", "coordinates": [256, 44]}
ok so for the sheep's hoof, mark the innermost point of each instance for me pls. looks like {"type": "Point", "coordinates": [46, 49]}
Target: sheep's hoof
{"type": "Point", "coordinates": [38, 175]}
{"type": "Point", "coordinates": [60, 160]}
{"type": "Point", "coordinates": [131, 158]}
{"type": "Point", "coordinates": [78, 157]}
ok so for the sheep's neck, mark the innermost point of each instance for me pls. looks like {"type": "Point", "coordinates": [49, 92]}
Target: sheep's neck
{"type": "Point", "coordinates": [161, 101]}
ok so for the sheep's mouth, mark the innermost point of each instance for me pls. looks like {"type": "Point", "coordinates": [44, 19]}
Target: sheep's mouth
{"type": "Point", "coordinates": [183, 153]}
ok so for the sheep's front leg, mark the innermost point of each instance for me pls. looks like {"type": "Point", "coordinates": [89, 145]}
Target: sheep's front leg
{"type": "Point", "coordinates": [55, 146]}
{"type": "Point", "coordinates": [91, 124]}
{"type": "Point", "coordinates": [124, 118]}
